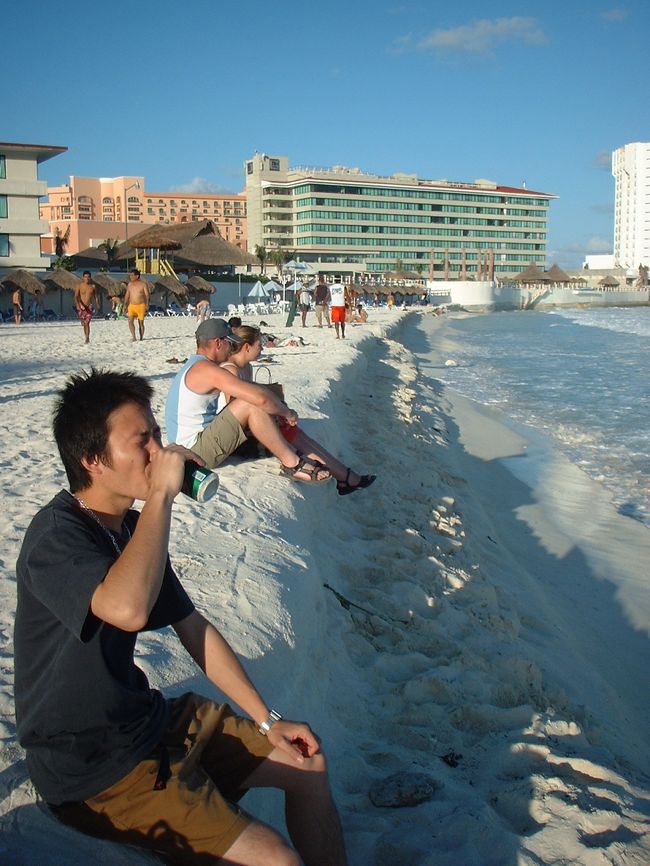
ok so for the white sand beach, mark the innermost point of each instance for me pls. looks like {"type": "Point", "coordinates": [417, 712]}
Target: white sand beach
{"type": "Point", "coordinates": [471, 631]}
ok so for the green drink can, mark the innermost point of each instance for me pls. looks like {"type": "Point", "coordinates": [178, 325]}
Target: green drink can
{"type": "Point", "coordinates": [199, 483]}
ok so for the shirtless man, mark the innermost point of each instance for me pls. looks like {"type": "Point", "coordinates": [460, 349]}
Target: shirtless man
{"type": "Point", "coordinates": [17, 301]}
{"type": "Point", "coordinates": [136, 302]}
{"type": "Point", "coordinates": [85, 301]}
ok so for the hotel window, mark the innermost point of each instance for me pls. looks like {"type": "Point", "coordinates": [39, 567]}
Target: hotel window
{"type": "Point", "coordinates": [274, 165]}
{"type": "Point", "coordinates": [3, 207]}
{"type": "Point", "coordinates": [4, 245]}
{"type": "Point", "coordinates": [249, 167]}
{"type": "Point", "coordinates": [3, 167]}
{"type": "Point", "coordinates": [134, 198]}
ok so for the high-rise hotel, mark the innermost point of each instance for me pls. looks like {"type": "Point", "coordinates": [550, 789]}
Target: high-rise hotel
{"type": "Point", "coordinates": [349, 222]}
{"type": "Point", "coordinates": [631, 170]}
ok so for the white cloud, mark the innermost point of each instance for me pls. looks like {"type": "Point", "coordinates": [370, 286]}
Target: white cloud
{"type": "Point", "coordinates": [572, 254]}
{"type": "Point", "coordinates": [615, 15]}
{"type": "Point", "coordinates": [599, 245]}
{"type": "Point", "coordinates": [484, 36]}
{"type": "Point", "coordinates": [199, 185]}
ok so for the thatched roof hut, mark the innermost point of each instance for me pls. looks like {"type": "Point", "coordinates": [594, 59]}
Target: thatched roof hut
{"type": "Point", "coordinates": [59, 278]}
{"type": "Point", "coordinates": [22, 279]}
{"type": "Point", "coordinates": [609, 282]}
{"type": "Point", "coordinates": [171, 284]}
{"type": "Point", "coordinates": [112, 287]}
{"type": "Point", "coordinates": [532, 274]}
{"type": "Point", "coordinates": [156, 238]}
{"type": "Point", "coordinates": [194, 243]}
{"type": "Point", "coordinates": [402, 275]}
{"type": "Point", "coordinates": [557, 275]}
{"type": "Point", "coordinates": [198, 284]}
{"type": "Point", "coordinates": [211, 251]}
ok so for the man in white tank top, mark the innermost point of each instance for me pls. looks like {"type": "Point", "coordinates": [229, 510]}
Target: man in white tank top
{"type": "Point", "coordinates": [191, 412]}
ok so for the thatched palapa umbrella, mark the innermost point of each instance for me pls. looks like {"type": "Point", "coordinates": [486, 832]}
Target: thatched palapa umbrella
{"type": "Point", "coordinates": [198, 284]}
{"type": "Point", "coordinates": [112, 287]}
{"type": "Point", "coordinates": [532, 274]}
{"type": "Point", "coordinates": [557, 275]}
{"type": "Point", "coordinates": [609, 282]}
{"type": "Point", "coordinates": [25, 280]}
{"type": "Point", "coordinates": [171, 284]}
{"type": "Point", "coordinates": [59, 278]}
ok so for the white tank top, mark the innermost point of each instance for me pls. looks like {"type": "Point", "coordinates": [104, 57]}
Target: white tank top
{"type": "Point", "coordinates": [186, 412]}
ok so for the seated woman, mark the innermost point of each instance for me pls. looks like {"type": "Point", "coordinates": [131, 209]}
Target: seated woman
{"type": "Point", "coordinates": [239, 364]}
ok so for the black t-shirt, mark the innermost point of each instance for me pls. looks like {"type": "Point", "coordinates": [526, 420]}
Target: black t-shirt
{"type": "Point", "coordinates": [86, 714]}
{"type": "Point", "coordinates": [320, 294]}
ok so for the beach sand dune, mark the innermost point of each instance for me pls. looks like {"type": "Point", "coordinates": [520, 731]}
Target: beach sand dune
{"type": "Point", "coordinates": [444, 655]}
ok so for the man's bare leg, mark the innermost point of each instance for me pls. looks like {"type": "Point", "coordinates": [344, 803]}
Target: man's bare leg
{"type": "Point", "coordinates": [141, 328]}
{"type": "Point", "coordinates": [311, 816]}
{"type": "Point", "coordinates": [259, 845]}
{"type": "Point", "coordinates": [131, 321]}
{"type": "Point", "coordinates": [266, 431]}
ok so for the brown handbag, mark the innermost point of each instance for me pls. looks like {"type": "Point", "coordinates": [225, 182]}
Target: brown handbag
{"type": "Point", "coordinates": [276, 387]}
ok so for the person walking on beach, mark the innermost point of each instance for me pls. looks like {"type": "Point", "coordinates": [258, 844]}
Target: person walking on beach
{"type": "Point", "coordinates": [17, 302]}
{"type": "Point", "coordinates": [85, 301]}
{"type": "Point", "coordinates": [305, 304]}
{"type": "Point", "coordinates": [337, 309]}
{"type": "Point", "coordinates": [192, 411]}
{"type": "Point", "coordinates": [239, 364]}
{"type": "Point", "coordinates": [136, 302]}
{"type": "Point", "coordinates": [110, 755]}
{"type": "Point", "coordinates": [321, 300]}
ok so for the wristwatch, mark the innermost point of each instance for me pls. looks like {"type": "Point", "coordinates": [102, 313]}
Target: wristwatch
{"type": "Point", "coordinates": [270, 720]}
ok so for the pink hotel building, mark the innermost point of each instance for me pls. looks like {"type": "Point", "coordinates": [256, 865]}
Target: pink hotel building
{"type": "Point", "coordinates": [95, 209]}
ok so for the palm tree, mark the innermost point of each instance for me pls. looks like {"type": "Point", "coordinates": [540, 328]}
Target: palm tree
{"type": "Point", "coordinates": [261, 254]}
{"type": "Point", "coordinates": [278, 258]}
{"type": "Point", "coordinates": [110, 248]}
{"type": "Point", "coordinates": [60, 244]}
{"type": "Point", "coordinates": [61, 241]}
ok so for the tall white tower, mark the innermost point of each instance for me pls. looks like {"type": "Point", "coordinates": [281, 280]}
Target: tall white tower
{"type": "Point", "coordinates": [631, 170]}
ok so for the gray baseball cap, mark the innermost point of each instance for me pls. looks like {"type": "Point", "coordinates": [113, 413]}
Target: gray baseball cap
{"type": "Point", "coordinates": [212, 329]}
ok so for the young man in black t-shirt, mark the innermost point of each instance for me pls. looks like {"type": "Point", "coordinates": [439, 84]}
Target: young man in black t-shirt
{"type": "Point", "coordinates": [110, 755]}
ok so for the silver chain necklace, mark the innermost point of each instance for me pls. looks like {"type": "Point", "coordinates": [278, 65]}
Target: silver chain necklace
{"type": "Point", "coordinates": [103, 526]}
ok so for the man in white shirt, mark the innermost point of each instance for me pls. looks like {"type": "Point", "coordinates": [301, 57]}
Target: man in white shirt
{"type": "Point", "coordinates": [337, 309]}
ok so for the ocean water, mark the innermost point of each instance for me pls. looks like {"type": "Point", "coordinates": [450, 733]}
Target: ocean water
{"type": "Point", "coordinates": [580, 377]}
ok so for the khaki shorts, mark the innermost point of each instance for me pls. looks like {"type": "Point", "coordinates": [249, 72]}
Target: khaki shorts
{"type": "Point", "coordinates": [219, 439]}
{"type": "Point", "coordinates": [203, 761]}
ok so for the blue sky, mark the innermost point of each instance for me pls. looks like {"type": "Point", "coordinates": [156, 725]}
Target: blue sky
{"type": "Point", "coordinates": [182, 93]}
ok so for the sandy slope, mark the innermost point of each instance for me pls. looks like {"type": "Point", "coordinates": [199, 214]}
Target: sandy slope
{"type": "Point", "coordinates": [409, 623]}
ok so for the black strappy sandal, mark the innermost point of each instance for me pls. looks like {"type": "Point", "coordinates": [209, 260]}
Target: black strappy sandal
{"type": "Point", "coordinates": [344, 487]}
{"type": "Point", "coordinates": [301, 466]}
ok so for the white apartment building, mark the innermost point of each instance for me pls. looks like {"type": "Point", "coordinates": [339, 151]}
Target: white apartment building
{"type": "Point", "coordinates": [631, 170]}
{"type": "Point", "coordinates": [20, 189]}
